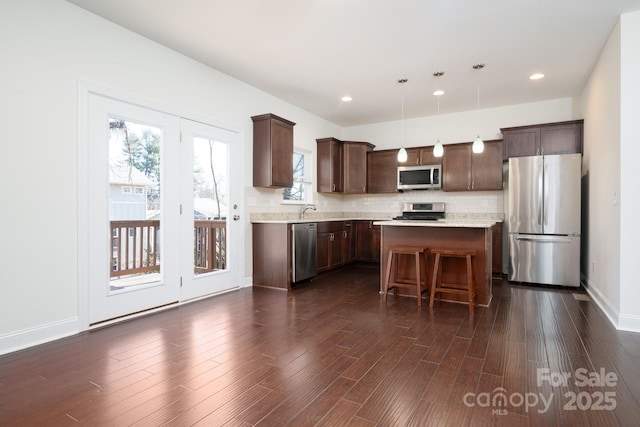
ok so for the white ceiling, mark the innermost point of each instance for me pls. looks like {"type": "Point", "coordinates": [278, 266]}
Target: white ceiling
{"type": "Point", "coordinates": [312, 52]}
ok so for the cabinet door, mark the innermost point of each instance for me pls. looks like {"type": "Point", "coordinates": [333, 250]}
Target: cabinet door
{"type": "Point", "coordinates": [335, 251]}
{"type": "Point", "coordinates": [421, 156]}
{"type": "Point", "coordinates": [561, 139]}
{"type": "Point", "coordinates": [367, 241]}
{"type": "Point", "coordinates": [382, 170]}
{"type": "Point", "coordinates": [487, 167]}
{"type": "Point", "coordinates": [413, 157]}
{"type": "Point", "coordinates": [521, 142]}
{"type": "Point", "coordinates": [427, 157]}
{"type": "Point", "coordinates": [456, 167]}
{"type": "Point", "coordinates": [355, 167]}
{"type": "Point", "coordinates": [329, 165]}
{"type": "Point", "coordinates": [322, 248]}
{"type": "Point", "coordinates": [272, 151]}
{"type": "Point", "coordinates": [496, 250]}
{"type": "Point", "coordinates": [375, 243]}
{"type": "Point", "coordinates": [281, 154]}
{"type": "Point", "coordinates": [348, 243]}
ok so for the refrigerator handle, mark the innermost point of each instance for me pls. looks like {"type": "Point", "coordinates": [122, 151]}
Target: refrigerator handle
{"type": "Point", "coordinates": [544, 239]}
{"type": "Point", "coordinates": [541, 193]}
{"type": "Point", "coordinates": [545, 214]}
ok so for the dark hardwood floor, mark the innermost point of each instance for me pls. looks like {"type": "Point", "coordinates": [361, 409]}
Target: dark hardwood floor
{"type": "Point", "coordinates": [330, 353]}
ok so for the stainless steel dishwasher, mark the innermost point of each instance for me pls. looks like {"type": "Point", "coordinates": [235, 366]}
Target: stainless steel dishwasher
{"type": "Point", "coordinates": [304, 237]}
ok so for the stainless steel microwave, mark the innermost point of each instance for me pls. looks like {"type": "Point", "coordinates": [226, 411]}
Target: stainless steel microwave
{"type": "Point", "coordinates": [421, 177]}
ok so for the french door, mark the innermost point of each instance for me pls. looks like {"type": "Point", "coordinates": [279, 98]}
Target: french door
{"type": "Point", "coordinates": [160, 225]}
{"type": "Point", "coordinates": [210, 226]}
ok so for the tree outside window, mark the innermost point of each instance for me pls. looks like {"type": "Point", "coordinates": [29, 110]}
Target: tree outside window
{"type": "Point", "coordinates": [301, 184]}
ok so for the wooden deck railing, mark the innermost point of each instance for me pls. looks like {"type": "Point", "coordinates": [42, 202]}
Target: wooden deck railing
{"type": "Point", "coordinates": [136, 246]}
{"type": "Point", "coordinates": [210, 248]}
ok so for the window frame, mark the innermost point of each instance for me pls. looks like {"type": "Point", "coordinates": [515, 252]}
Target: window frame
{"type": "Point", "coordinates": [307, 179]}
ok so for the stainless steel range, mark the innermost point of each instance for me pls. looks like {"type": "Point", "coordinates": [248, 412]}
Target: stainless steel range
{"type": "Point", "coordinates": [423, 211]}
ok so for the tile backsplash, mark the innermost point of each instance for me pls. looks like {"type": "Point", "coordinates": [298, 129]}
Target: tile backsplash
{"type": "Point", "coordinates": [265, 204]}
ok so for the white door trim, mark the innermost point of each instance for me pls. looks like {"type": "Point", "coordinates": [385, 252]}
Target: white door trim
{"type": "Point", "coordinates": [84, 89]}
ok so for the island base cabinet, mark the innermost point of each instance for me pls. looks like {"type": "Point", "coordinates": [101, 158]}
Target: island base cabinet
{"type": "Point", "coordinates": [454, 270]}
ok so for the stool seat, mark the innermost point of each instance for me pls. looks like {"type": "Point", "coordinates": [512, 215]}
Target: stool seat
{"type": "Point", "coordinates": [453, 288]}
{"type": "Point", "coordinates": [391, 280]}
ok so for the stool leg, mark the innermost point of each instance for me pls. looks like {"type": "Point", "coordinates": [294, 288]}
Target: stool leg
{"type": "Point", "coordinates": [470, 283]}
{"type": "Point", "coordinates": [387, 278]}
{"type": "Point", "coordinates": [418, 279]}
{"type": "Point", "coordinates": [434, 282]}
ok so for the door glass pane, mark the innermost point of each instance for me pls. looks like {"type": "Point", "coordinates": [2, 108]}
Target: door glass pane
{"type": "Point", "coordinates": [210, 206]}
{"type": "Point", "coordinates": [134, 204]}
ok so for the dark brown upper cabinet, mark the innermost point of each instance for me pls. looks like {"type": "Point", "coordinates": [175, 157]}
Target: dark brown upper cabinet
{"type": "Point", "coordinates": [463, 170]}
{"type": "Point", "coordinates": [382, 171]}
{"type": "Point", "coordinates": [421, 156]}
{"type": "Point", "coordinates": [272, 151]}
{"type": "Point", "coordinates": [342, 166]}
{"type": "Point", "coordinates": [549, 138]}
{"type": "Point", "coordinates": [329, 165]}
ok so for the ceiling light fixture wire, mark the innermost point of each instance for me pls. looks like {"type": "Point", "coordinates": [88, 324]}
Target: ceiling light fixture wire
{"type": "Point", "coordinates": [438, 149]}
{"type": "Point", "coordinates": [478, 144]}
{"type": "Point", "coordinates": [402, 153]}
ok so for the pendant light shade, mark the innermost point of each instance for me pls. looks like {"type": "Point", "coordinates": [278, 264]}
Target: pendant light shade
{"type": "Point", "coordinates": [478, 144]}
{"type": "Point", "coordinates": [438, 149]}
{"type": "Point", "coordinates": [402, 153]}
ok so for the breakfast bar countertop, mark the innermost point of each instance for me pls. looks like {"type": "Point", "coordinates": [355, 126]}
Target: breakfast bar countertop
{"type": "Point", "coordinates": [466, 223]}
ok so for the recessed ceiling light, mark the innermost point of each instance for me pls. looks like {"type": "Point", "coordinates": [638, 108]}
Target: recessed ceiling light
{"type": "Point", "coordinates": [438, 92]}
{"type": "Point", "coordinates": [536, 76]}
{"type": "Point", "coordinates": [346, 98]}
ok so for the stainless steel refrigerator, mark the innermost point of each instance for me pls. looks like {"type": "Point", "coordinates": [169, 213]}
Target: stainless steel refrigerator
{"type": "Point", "coordinates": [544, 219]}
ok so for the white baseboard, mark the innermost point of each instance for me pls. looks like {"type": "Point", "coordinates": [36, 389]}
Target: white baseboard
{"type": "Point", "coordinates": [603, 302]}
{"type": "Point", "coordinates": [41, 334]}
{"type": "Point", "coordinates": [629, 323]}
{"type": "Point", "coordinates": [619, 321]}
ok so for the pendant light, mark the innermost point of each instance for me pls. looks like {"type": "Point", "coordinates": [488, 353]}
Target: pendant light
{"type": "Point", "coordinates": [402, 153]}
{"type": "Point", "coordinates": [478, 144]}
{"type": "Point", "coordinates": [438, 149]}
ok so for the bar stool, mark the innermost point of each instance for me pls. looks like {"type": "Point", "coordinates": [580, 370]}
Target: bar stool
{"type": "Point", "coordinates": [391, 280]}
{"type": "Point", "coordinates": [438, 287]}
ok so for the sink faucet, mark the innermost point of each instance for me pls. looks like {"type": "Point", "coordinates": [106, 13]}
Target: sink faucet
{"type": "Point", "coordinates": [306, 208]}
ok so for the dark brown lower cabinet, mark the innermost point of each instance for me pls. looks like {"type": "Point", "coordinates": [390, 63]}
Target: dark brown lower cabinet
{"type": "Point", "coordinates": [496, 250]}
{"type": "Point", "coordinates": [272, 255]}
{"type": "Point", "coordinates": [367, 241]}
{"type": "Point", "coordinates": [330, 245]}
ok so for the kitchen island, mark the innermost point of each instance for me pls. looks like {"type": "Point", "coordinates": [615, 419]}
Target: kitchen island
{"type": "Point", "coordinates": [442, 234]}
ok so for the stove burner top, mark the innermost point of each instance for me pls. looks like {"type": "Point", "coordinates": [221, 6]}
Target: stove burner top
{"type": "Point", "coordinates": [421, 217]}
{"type": "Point", "coordinates": [422, 211]}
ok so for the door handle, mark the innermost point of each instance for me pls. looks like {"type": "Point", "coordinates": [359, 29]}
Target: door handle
{"type": "Point", "coordinates": [236, 217]}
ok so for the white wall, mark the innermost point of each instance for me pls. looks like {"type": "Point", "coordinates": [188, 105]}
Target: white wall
{"type": "Point", "coordinates": [47, 46]}
{"type": "Point", "coordinates": [629, 171]}
{"type": "Point", "coordinates": [611, 101]}
{"type": "Point", "coordinates": [601, 167]}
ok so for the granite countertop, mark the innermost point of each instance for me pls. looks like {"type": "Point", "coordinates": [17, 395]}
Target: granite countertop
{"type": "Point", "coordinates": [299, 221]}
{"type": "Point", "coordinates": [466, 223]}
{"type": "Point", "coordinates": [476, 220]}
